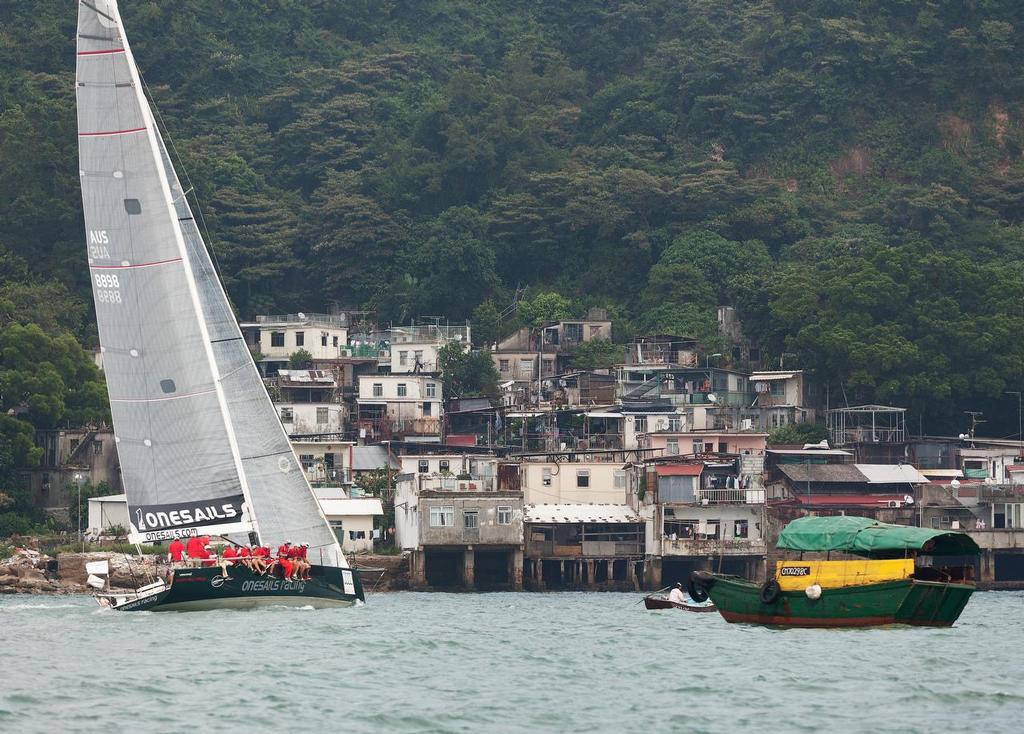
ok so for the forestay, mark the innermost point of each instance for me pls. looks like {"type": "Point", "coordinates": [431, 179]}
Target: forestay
{"type": "Point", "coordinates": [200, 446]}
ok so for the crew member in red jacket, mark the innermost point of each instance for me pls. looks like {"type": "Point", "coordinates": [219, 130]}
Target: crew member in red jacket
{"type": "Point", "coordinates": [176, 551]}
{"type": "Point", "coordinates": [195, 548]}
{"type": "Point", "coordinates": [297, 555]}
{"type": "Point", "coordinates": [282, 557]}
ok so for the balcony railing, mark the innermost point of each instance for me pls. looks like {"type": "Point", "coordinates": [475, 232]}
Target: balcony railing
{"type": "Point", "coordinates": [729, 496]}
{"type": "Point", "coordinates": [712, 546]}
{"type": "Point", "coordinates": [318, 319]}
{"type": "Point", "coordinates": [586, 549]}
{"type": "Point", "coordinates": [454, 484]}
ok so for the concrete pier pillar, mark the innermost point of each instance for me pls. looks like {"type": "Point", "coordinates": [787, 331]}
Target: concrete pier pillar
{"type": "Point", "coordinates": [515, 569]}
{"type": "Point", "coordinates": [652, 572]}
{"type": "Point", "coordinates": [468, 568]}
{"type": "Point", "coordinates": [988, 566]}
{"type": "Point", "coordinates": [418, 568]}
{"type": "Point", "coordinates": [590, 573]}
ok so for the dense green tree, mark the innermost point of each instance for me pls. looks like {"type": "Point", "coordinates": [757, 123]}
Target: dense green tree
{"type": "Point", "coordinates": [848, 175]}
{"type": "Point", "coordinates": [486, 320]}
{"type": "Point", "coordinates": [467, 373]}
{"type": "Point", "coordinates": [798, 433]}
{"type": "Point", "coordinates": [49, 380]}
{"type": "Point", "coordinates": [598, 354]}
{"type": "Point", "coordinates": [300, 359]}
{"type": "Point", "coordinates": [543, 307]}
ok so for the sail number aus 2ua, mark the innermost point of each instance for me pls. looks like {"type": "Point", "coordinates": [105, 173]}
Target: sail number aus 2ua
{"type": "Point", "coordinates": [98, 241]}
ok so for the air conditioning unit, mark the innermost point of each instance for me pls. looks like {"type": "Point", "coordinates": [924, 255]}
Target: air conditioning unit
{"type": "Point", "coordinates": [894, 504]}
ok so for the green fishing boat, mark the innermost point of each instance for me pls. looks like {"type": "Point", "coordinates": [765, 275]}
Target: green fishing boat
{"type": "Point", "coordinates": [897, 575]}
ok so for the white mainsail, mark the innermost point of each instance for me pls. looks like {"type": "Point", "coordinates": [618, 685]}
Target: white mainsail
{"type": "Point", "coordinates": [200, 445]}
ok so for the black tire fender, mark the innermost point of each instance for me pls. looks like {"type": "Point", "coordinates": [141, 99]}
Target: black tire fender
{"type": "Point", "coordinates": [770, 592]}
{"type": "Point", "coordinates": [697, 586]}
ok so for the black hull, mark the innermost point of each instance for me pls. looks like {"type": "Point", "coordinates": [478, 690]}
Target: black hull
{"type": "Point", "coordinates": [654, 602]}
{"type": "Point", "coordinates": [197, 589]}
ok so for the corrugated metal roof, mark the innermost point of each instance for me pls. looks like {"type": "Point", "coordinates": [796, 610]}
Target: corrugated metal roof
{"type": "Point", "coordinates": [352, 507]}
{"type": "Point", "coordinates": [768, 376]}
{"type": "Point", "coordinates": [573, 513]}
{"type": "Point", "coordinates": [368, 458]}
{"type": "Point", "coordinates": [831, 473]}
{"type": "Point", "coordinates": [892, 474]}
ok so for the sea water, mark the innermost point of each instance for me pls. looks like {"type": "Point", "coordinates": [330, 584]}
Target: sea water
{"type": "Point", "coordinates": [560, 662]}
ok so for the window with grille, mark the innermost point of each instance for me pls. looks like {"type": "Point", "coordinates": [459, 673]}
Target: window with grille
{"type": "Point", "coordinates": [442, 517]}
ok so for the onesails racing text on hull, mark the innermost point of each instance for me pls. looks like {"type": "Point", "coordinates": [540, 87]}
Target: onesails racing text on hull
{"type": "Point", "coordinates": [201, 449]}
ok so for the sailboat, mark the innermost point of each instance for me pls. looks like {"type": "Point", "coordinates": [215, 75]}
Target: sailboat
{"type": "Point", "coordinates": [201, 449]}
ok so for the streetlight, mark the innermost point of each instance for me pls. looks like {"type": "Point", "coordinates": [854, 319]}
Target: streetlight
{"type": "Point", "coordinates": [78, 481]}
{"type": "Point", "coordinates": [1020, 434]}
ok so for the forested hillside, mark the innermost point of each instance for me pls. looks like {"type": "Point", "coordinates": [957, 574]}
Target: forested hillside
{"type": "Point", "coordinates": [847, 173]}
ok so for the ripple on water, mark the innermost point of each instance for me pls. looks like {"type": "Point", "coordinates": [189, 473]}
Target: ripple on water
{"type": "Point", "coordinates": [500, 663]}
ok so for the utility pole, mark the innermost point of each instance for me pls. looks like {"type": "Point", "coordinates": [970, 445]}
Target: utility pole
{"type": "Point", "coordinates": [1020, 434]}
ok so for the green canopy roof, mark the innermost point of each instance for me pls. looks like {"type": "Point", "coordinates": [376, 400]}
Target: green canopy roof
{"type": "Point", "coordinates": [866, 537]}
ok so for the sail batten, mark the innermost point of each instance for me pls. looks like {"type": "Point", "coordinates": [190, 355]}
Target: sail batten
{"type": "Point", "coordinates": [200, 445]}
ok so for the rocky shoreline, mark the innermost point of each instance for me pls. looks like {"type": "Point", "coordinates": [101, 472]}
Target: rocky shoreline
{"type": "Point", "coordinates": [30, 572]}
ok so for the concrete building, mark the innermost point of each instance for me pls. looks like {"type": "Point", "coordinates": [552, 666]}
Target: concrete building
{"type": "Point", "coordinates": [591, 477]}
{"type": "Point", "coordinates": [307, 402]}
{"type": "Point", "coordinates": [546, 351]}
{"type": "Point", "coordinates": [327, 463]}
{"type": "Point", "coordinates": [72, 457]}
{"type": "Point", "coordinates": [574, 546]}
{"type": "Point", "coordinates": [459, 537]}
{"type": "Point", "coordinates": [274, 338]}
{"type": "Point", "coordinates": [352, 518]}
{"type": "Point", "coordinates": [675, 443]}
{"type": "Point", "coordinates": [702, 513]}
{"type": "Point", "coordinates": [407, 405]}
{"type": "Point", "coordinates": [413, 349]}
{"type": "Point", "coordinates": [784, 397]}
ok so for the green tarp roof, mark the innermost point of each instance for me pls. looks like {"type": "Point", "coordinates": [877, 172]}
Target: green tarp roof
{"type": "Point", "coordinates": [866, 537]}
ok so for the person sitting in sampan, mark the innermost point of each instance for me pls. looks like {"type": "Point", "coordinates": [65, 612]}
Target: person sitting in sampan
{"type": "Point", "coordinates": [676, 595]}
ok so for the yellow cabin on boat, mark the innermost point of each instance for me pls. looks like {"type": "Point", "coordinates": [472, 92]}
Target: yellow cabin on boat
{"type": "Point", "coordinates": [798, 575]}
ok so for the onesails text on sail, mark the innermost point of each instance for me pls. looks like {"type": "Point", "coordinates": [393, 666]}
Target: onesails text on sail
{"type": "Point", "coordinates": [200, 446]}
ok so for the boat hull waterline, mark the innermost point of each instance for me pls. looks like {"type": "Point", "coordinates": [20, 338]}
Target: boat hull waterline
{"type": "Point", "coordinates": [905, 601]}
{"type": "Point", "coordinates": [198, 589]}
{"type": "Point", "coordinates": [654, 602]}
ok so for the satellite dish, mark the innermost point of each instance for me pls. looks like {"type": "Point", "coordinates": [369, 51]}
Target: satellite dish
{"type": "Point", "coordinates": [302, 315]}
{"type": "Point", "coordinates": [955, 484]}
{"type": "Point", "coordinates": [908, 499]}
{"type": "Point", "coordinates": [712, 397]}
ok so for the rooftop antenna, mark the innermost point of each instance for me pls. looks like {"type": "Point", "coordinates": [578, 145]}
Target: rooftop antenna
{"type": "Point", "coordinates": [974, 425]}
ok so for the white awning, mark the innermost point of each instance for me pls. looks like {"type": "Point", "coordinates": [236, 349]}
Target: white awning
{"type": "Point", "coordinates": [769, 376]}
{"type": "Point", "coordinates": [576, 513]}
{"type": "Point", "coordinates": [604, 415]}
{"type": "Point", "coordinates": [352, 507]}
